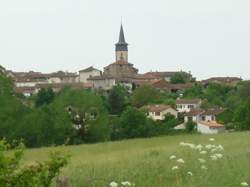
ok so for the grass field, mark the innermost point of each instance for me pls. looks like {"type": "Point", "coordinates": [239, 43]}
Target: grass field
{"type": "Point", "coordinates": [146, 163]}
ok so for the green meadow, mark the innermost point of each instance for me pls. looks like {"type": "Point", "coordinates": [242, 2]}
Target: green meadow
{"type": "Point", "coordinates": [146, 163]}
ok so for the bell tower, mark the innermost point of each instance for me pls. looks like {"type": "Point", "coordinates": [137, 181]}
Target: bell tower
{"type": "Point", "coordinates": [121, 48]}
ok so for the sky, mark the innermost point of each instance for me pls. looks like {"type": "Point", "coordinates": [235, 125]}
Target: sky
{"type": "Point", "coordinates": [206, 37]}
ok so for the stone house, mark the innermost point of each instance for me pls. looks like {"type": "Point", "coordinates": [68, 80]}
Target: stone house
{"type": "Point", "coordinates": [185, 105]}
{"type": "Point", "coordinates": [158, 112]}
{"type": "Point", "coordinates": [87, 73]}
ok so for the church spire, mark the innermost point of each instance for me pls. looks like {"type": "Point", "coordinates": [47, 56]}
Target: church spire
{"type": "Point", "coordinates": [121, 36]}
{"type": "Point", "coordinates": [121, 48]}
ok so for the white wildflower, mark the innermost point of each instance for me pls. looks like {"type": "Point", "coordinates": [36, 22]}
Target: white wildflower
{"type": "Point", "coordinates": [214, 150]}
{"type": "Point", "coordinates": [183, 144]}
{"type": "Point", "coordinates": [172, 157]}
{"type": "Point", "coordinates": [211, 139]}
{"type": "Point", "coordinates": [220, 147]}
{"type": "Point", "coordinates": [190, 173]}
{"type": "Point", "coordinates": [218, 155]}
{"type": "Point", "coordinates": [126, 183]}
{"type": "Point", "coordinates": [113, 184]}
{"type": "Point", "coordinates": [201, 160]}
{"type": "Point", "coordinates": [192, 146]}
{"type": "Point", "coordinates": [213, 157]}
{"type": "Point", "coordinates": [175, 167]}
{"type": "Point", "coordinates": [244, 184]}
{"type": "Point", "coordinates": [203, 152]}
{"type": "Point", "coordinates": [199, 147]}
{"type": "Point", "coordinates": [204, 167]}
{"type": "Point", "coordinates": [180, 160]}
{"type": "Point", "coordinates": [209, 146]}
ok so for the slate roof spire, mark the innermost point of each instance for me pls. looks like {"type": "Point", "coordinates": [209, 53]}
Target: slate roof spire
{"type": "Point", "coordinates": [121, 36]}
{"type": "Point", "coordinates": [121, 45]}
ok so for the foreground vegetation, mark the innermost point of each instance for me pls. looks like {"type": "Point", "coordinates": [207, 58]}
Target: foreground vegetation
{"type": "Point", "coordinates": [147, 163]}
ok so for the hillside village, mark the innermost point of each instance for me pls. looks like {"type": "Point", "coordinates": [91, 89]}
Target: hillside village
{"type": "Point", "coordinates": [122, 72]}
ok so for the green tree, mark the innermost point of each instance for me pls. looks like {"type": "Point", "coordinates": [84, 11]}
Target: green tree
{"type": "Point", "coordinates": [87, 112]}
{"type": "Point", "coordinates": [181, 77]}
{"type": "Point", "coordinates": [117, 99]}
{"type": "Point", "coordinates": [11, 109]}
{"type": "Point", "coordinates": [44, 126]}
{"type": "Point", "coordinates": [44, 96]}
{"type": "Point", "coordinates": [242, 116]}
{"type": "Point", "coordinates": [134, 123]}
{"type": "Point", "coordinates": [145, 95]}
{"type": "Point", "coordinates": [190, 126]}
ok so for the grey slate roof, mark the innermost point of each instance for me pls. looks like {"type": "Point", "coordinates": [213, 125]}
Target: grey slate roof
{"type": "Point", "coordinates": [121, 45]}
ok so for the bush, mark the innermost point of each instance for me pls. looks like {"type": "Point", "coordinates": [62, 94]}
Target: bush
{"type": "Point", "coordinates": [190, 126]}
{"type": "Point", "coordinates": [38, 174]}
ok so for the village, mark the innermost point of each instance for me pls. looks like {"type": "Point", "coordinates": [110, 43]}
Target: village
{"type": "Point", "coordinates": [122, 72]}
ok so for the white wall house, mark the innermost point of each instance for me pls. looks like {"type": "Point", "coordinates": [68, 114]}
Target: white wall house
{"type": "Point", "coordinates": [158, 112]}
{"type": "Point", "coordinates": [185, 105]}
{"type": "Point", "coordinates": [205, 119]}
{"type": "Point", "coordinates": [88, 73]}
{"type": "Point", "coordinates": [210, 127]}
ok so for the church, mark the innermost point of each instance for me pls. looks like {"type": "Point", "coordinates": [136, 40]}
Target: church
{"type": "Point", "coordinates": [118, 72]}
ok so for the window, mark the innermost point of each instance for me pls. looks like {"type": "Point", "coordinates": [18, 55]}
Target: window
{"type": "Point", "coordinates": [157, 113]}
{"type": "Point", "coordinates": [191, 106]}
{"type": "Point", "coordinates": [203, 118]}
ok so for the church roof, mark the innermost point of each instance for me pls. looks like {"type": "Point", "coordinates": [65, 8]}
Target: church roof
{"type": "Point", "coordinates": [121, 45]}
{"type": "Point", "coordinates": [121, 37]}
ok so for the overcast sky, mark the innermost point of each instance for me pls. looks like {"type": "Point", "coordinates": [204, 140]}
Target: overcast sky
{"type": "Point", "coordinates": [206, 37]}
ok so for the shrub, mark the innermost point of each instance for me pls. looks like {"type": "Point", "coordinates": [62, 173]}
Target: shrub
{"type": "Point", "coordinates": [38, 174]}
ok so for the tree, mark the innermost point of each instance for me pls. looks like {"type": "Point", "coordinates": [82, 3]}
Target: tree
{"type": "Point", "coordinates": [242, 116]}
{"type": "Point", "coordinates": [133, 123]}
{"type": "Point", "coordinates": [145, 95]}
{"type": "Point", "coordinates": [244, 90]}
{"type": "Point", "coordinates": [11, 109]}
{"type": "Point", "coordinates": [117, 99]}
{"type": "Point", "coordinates": [181, 77]}
{"type": "Point", "coordinates": [44, 126]}
{"type": "Point", "coordinates": [190, 126]}
{"type": "Point", "coordinates": [87, 113]}
{"type": "Point", "coordinates": [44, 96]}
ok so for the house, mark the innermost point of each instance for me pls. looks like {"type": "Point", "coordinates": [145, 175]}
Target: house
{"type": "Point", "coordinates": [161, 75]}
{"type": "Point", "coordinates": [210, 127]}
{"type": "Point", "coordinates": [56, 87]}
{"type": "Point", "coordinates": [62, 77]}
{"type": "Point", "coordinates": [232, 81]}
{"type": "Point", "coordinates": [29, 79]}
{"type": "Point", "coordinates": [88, 73]}
{"type": "Point", "coordinates": [197, 114]}
{"type": "Point", "coordinates": [158, 112]}
{"type": "Point", "coordinates": [206, 120]}
{"type": "Point", "coordinates": [167, 86]}
{"type": "Point", "coordinates": [185, 105]}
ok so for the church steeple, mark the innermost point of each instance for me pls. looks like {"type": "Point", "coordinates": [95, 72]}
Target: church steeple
{"type": "Point", "coordinates": [121, 47]}
{"type": "Point", "coordinates": [121, 36]}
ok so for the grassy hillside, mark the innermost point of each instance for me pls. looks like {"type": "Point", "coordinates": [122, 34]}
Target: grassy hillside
{"type": "Point", "coordinates": [146, 163]}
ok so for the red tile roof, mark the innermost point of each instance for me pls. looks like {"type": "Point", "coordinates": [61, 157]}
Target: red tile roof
{"type": "Point", "coordinates": [156, 108]}
{"type": "Point", "coordinates": [213, 124]}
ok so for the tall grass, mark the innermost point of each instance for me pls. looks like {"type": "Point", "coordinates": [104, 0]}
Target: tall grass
{"type": "Point", "coordinates": [146, 163]}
